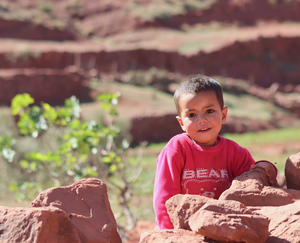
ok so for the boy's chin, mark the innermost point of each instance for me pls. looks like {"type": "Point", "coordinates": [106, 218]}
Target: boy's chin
{"type": "Point", "coordinates": [205, 143]}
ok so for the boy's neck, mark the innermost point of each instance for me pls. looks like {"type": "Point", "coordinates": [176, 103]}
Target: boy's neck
{"type": "Point", "coordinates": [217, 140]}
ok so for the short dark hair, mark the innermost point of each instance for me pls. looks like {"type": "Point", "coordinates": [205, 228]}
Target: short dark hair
{"type": "Point", "coordinates": [196, 83]}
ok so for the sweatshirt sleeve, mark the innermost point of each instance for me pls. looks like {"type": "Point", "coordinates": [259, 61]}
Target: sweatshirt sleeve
{"type": "Point", "coordinates": [242, 162]}
{"type": "Point", "coordinates": [270, 164]}
{"type": "Point", "coordinates": [167, 184]}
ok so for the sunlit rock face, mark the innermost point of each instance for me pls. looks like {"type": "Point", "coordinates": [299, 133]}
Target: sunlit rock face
{"type": "Point", "coordinates": [79, 213]}
{"type": "Point", "coordinates": [292, 171]}
{"type": "Point", "coordinates": [251, 210]}
{"type": "Point", "coordinates": [86, 204]}
{"type": "Point", "coordinates": [39, 225]}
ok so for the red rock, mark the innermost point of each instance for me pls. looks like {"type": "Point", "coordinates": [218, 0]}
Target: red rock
{"type": "Point", "coordinates": [52, 86]}
{"type": "Point", "coordinates": [141, 227]}
{"type": "Point", "coordinates": [281, 180]}
{"type": "Point", "coordinates": [86, 204]}
{"type": "Point", "coordinates": [26, 29]}
{"type": "Point", "coordinates": [292, 171]}
{"type": "Point", "coordinates": [180, 207]}
{"type": "Point", "coordinates": [38, 225]}
{"type": "Point", "coordinates": [251, 188]}
{"type": "Point", "coordinates": [284, 222]}
{"type": "Point", "coordinates": [229, 221]}
{"type": "Point", "coordinates": [172, 236]}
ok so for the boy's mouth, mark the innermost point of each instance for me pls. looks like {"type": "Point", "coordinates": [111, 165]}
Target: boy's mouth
{"type": "Point", "coordinates": [204, 129]}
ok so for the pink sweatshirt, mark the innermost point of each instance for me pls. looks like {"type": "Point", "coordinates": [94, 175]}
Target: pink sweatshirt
{"type": "Point", "coordinates": [184, 167]}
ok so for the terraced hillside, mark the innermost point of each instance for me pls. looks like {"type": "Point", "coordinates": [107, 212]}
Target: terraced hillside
{"type": "Point", "coordinates": [53, 49]}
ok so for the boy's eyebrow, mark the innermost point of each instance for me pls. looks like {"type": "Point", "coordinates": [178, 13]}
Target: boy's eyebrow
{"type": "Point", "coordinates": [208, 106]}
{"type": "Point", "coordinates": [188, 110]}
{"type": "Point", "coordinates": [205, 107]}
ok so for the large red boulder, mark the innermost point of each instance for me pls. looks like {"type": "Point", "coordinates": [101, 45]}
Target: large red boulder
{"type": "Point", "coordinates": [252, 189]}
{"type": "Point", "coordinates": [172, 236]}
{"type": "Point", "coordinates": [229, 221]}
{"type": "Point", "coordinates": [38, 225]}
{"type": "Point", "coordinates": [86, 204]}
{"type": "Point", "coordinates": [182, 206]}
{"type": "Point", "coordinates": [284, 222]}
{"type": "Point", "coordinates": [292, 171]}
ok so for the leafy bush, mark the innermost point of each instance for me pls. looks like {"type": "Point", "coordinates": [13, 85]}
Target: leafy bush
{"type": "Point", "coordinates": [23, 55]}
{"type": "Point", "coordinates": [83, 149]}
{"type": "Point", "coordinates": [46, 7]}
{"type": "Point", "coordinates": [165, 9]}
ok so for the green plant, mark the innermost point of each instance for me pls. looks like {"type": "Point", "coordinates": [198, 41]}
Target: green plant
{"type": "Point", "coordinates": [75, 6]}
{"type": "Point", "coordinates": [273, 145]}
{"type": "Point", "coordinates": [165, 9]}
{"type": "Point", "coordinates": [23, 55]}
{"type": "Point", "coordinates": [46, 7]}
{"type": "Point", "coordinates": [84, 149]}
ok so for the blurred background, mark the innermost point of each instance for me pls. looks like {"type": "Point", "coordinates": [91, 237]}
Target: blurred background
{"type": "Point", "coordinates": [144, 49]}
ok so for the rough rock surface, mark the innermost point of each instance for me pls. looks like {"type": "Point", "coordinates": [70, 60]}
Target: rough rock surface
{"type": "Point", "coordinates": [86, 204]}
{"type": "Point", "coordinates": [219, 220]}
{"type": "Point", "coordinates": [252, 189]}
{"type": "Point", "coordinates": [39, 84]}
{"type": "Point", "coordinates": [133, 235]}
{"type": "Point", "coordinates": [292, 171]}
{"type": "Point", "coordinates": [249, 211]}
{"type": "Point", "coordinates": [229, 221]}
{"type": "Point", "coordinates": [172, 236]}
{"type": "Point", "coordinates": [38, 225]}
{"type": "Point", "coordinates": [285, 223]}
{"type": "Point", "coordinates": [180, 207]}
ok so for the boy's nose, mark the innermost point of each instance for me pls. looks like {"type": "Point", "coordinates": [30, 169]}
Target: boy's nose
{"type": "Point", "coordinates": [201, 118]}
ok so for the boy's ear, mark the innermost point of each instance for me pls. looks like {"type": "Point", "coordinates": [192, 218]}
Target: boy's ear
{"type": "Point", "coordinates": [224, 114]}
{"type": "Point", "coordinates": [180, 122]}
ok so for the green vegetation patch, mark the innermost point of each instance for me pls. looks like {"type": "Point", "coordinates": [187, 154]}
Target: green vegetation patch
{"type": "Point", "coordinates": [137, 100]}
{"type": "Point", "coordinates": [272, 137]}
{"type": "Point", "coordinates": [274, 145]}
{"type": "Point", "coordinates": [247, 106]}
{"type": "Point", "coordinates": [165, 9]}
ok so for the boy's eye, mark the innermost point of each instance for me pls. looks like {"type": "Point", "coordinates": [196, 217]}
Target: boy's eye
{"type": "Point", "coordinates": [191, 115]}
{"type": "Point", "coordinates": [210, 111]}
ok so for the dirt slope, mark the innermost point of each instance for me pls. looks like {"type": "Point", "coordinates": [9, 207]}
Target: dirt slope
{"type": "Point", "coordinates": [61, 45]}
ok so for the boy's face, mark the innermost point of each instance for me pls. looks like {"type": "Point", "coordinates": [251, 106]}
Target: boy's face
{"type": "Point", "coordinates": [201, 116]}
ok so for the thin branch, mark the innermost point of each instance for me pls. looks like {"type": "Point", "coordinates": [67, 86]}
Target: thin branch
{"type": "Point", "coordinates": [95, 162]}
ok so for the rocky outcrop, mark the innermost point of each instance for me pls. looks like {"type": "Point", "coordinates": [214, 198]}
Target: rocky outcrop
{"type": "Point", "coordinates": [172, 236]}
{"type": "Point", "coordinates": [253, 189]}
{"type": "Point", "coordinates": [79, 213]}
{"type": "Point", "coordinates": [107, 18]}
{"type": "Point", "coordinates": [249, 211]}
{"type": "Point", "coordinates": [217, 219]}
{"type": "Point", "coordinates": [246, 12]}
{"type": "Point", "coordinates": [26, 29]}
{"type": "Point", "coordinates": [269, 65]}
{"type": "Point", "coordinates": [229, 221]}
{"type": "Point", "coordinates": [87, 205]}
{"type": "Point", "coordinates": [292, 171]}
{"type": "Point", "coordinates": [39, 225]}
{"type": "Point", "coordinates": [44, 85]}
{"type": "Point", "coordinates": [181, 207]}
{"type": "Point", "coordinates": [285, 224]}
{"type": "Point", "coordinates": [153, 128]}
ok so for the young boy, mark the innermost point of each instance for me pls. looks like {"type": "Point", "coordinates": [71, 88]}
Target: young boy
{"type": "Point", "coordinates": [199, 161]}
